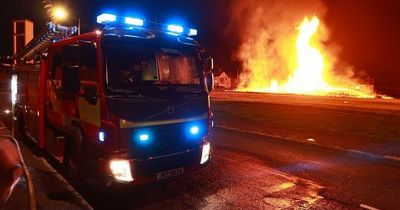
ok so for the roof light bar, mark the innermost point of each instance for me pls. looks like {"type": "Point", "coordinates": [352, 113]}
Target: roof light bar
{"type": "Point", "coordinates": [126, 22]}
{"type": "Point", "coordinates": [134, 21]}
{"type": "Point", "coordinates": [175, 28]}
{"type": "Point", "coordinates": [192, 32]}
{"type": "Point", "coordinates": [106, 18]}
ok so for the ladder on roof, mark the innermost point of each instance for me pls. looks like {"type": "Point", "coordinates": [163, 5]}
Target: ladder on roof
{"type": "Point", "coordinates": [38, 46]}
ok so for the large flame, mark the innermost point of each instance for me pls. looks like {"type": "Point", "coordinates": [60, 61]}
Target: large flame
{"type": "Point", "coordinates": [310, 68]}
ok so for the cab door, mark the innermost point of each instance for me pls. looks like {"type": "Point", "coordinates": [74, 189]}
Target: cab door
{"type": "Point", "coordinates": [89, 103]}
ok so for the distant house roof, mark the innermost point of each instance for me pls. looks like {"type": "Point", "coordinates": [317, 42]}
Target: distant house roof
{"type": "Point", "coordinates": [220, 72]}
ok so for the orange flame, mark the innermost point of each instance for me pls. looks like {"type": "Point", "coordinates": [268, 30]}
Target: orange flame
{"type": "Point", "coordinates": [310, 68]}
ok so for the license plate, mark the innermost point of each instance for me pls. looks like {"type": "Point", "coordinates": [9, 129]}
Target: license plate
{"type": "Point", "coordinates": [171, 173]}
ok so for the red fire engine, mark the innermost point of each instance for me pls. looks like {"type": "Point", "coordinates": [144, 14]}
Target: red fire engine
{"type": "Point", "coordinates": [128, 104]}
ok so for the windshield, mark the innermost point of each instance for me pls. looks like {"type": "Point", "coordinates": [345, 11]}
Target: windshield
{"type": "Point", "coordinates": [133, 68]}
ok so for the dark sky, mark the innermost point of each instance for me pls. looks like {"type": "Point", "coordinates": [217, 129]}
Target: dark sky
{"type": "Point", "coordinates": [367, 30]}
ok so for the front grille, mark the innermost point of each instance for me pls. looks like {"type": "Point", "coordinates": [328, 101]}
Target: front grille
{"type": "Point", "coordinates": [165, 139]}
{"type": "Point", "coordinates": [153, 166]}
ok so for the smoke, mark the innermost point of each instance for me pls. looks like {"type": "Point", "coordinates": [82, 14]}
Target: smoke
{"type": "Point", "coordinates": [267, 31]}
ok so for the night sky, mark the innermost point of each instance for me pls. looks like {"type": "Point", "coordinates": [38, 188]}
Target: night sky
{"type": "Point", "coordinates": [368, 31]}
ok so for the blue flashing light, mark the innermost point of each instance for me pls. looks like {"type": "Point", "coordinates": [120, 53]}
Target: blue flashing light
{"type": "Point", "coordinates": [134, 21]}
{"type": "Point", "coordinates": [144, 137]}
{"type": "Point", "coordinates": [192, 32]}
{"type": "Point", "coordinates": [102, 136]}
{"type": "Point", "coordinates": [106, 18]}
{"type": "Point", "coordinates": [194, 130]}
{"type": "Point", "coordinates": [175, 28]}
{"type": "Point", "coordinates": [112, 21]}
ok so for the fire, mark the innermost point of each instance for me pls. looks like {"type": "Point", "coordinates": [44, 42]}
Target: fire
{"type": "Point", "coordinates": [309, 67]}
{"type": "Point", "coordinates": [308, 77]}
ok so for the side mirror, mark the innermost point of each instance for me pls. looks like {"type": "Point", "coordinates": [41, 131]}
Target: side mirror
{"type": "Point", "coordinates": [70, 78]}
{"type": "Point", "coordinates": [90, 95]}
{"type": "Point", "coordinates": [71, 55]}
{"type": "Point", "coordinates": [209, 64]}
{"type": "Point", "coordinates": [209, 81]}
{"type": "Point", "coordinates": [209, 76]}
{"type": "Point", "coordinates": [88, 54]}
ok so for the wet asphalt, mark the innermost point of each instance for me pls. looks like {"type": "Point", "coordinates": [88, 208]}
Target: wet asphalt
{"type": "Point", "coordinates": [254, 172]}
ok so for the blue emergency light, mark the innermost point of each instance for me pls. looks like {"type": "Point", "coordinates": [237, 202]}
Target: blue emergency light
{"type": "Point", "coordinates": [192, 32]}
{"type": "Point", "coordinates": [134, 21]}
{"type": "Point", "coordinates": [116, 21]}
{"type": "Point", "coordinates": [175, 28]}
{"type": "Point", "coordinates": [102, 136]}
{"type": "Point", "coordinates": [106, 18]}
{"type": "Point", "coordinates": [143, 136]}
{"type": "Point", "coordinates": [194, 130]}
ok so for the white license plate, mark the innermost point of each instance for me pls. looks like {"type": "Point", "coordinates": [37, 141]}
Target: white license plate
{"type": "Point", "coordinates": [171, 173]}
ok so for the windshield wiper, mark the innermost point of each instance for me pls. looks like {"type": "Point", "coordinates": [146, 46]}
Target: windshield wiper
{"type": "Point", "coordinates": [131, 94]}
{"type": "Point", "coordinates": [119, 92]}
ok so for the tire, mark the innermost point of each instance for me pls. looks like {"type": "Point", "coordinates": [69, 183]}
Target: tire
{"type": "Point", "coordinates": [50, 138]}
{"type": "Point", "coordinates": [19, 126]}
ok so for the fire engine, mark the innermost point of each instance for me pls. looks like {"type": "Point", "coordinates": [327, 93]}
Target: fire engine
{"type": "Point", "coordinates": [128, 104]}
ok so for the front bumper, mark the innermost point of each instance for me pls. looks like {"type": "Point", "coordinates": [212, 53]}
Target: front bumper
{"type": "Point", "coordinates": [148, 170]}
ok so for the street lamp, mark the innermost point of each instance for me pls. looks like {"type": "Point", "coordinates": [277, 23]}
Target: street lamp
{"type": "Point", "coordinates": [59, 13]}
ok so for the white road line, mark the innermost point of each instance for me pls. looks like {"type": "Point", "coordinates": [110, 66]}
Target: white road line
{"type": "Point", "coordinates": [392, 157]}
{"type": "Point", "coordinates": [368, 207]}
{"type": "Point", "coordinates": [351, 151]}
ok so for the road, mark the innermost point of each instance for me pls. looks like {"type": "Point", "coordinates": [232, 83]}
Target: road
{"type": "Point", "coordinates": [277, 168]}
{"type": "Point", "coordinates": [346, 179]}
{"type": "Point", "coordinates": [254, 172]}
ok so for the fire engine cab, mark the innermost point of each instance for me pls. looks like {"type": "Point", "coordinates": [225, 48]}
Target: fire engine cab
{"type": "Point", "coordinates": [127, 104]}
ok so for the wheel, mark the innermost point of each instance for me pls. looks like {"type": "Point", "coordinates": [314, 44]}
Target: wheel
{"type": "Point", "coordinates": [19, 125]}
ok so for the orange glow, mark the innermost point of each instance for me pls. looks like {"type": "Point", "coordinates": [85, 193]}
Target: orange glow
{"type": "Point", "coordinates": [305, 67]}
{"type": "Point", "coordinates": [59, 13]}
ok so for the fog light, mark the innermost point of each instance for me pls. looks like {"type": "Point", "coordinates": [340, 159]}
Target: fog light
{"type": "Point", "coordinates": [194, 130]}
{"type": "Point", "coordinates": [143, 137]}
{"type": "Point", "coordinates": [205, 153]}
{"type": "Point", "coordinates": [121, 170]}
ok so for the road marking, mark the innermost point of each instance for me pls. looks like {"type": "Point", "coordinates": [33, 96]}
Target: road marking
{"type": "Point", "coordinates": [368, 207]}
{"type": "Point", "coordinates": [350, 151]}
{"type": "Point", "coordinates": [392, 157]}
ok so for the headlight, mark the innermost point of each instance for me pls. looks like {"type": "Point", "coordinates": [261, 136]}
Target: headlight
{"type": "Point", "coordinates": [121, 170]}
{"type": "Point", "coordinates": [205, 153]}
